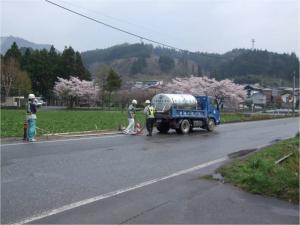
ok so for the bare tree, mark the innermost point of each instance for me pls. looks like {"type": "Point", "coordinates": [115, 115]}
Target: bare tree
{"type": "Point", "coordinates": [13, 78]}
{"type": "Point", "coordinates": [101, 74]}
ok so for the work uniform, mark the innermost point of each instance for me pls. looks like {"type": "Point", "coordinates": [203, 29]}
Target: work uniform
{"type": "Point", "coordinates": [31, 120]}
{"type": "Point", "coordinates": [131, 123]}
{"type": "Point", "coordinates": [149, 113]}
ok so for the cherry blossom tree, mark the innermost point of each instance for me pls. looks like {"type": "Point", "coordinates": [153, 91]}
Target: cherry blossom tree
{"type": "Point", "coordinates": [75, 89]}
{"type": "Point", "coordinates": [224, 91]}
{"type": "Point", "coordinates": [124, 97]}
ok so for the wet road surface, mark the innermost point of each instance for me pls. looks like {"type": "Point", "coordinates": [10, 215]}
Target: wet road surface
{"type": "Point", "coordinates": [43, 176]}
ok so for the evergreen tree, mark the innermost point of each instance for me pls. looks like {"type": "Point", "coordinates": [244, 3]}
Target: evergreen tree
{"type": "Point", "coordinates": [71, 65]}
{"type": "Point", "coordinates": [113, 81]}
{"type": "Point", "coordinates": [25, 58]}
{"type": "Point", "coordinates": [138, 65]}
{"type": "Point", "coordinates": [166, 63]}
{"type": "Point", "coordinates": [44, 66]}
{"type": "Point", "coordinates": [67, 67]}
{"type": "Point", "coordinates": [199, 71]}
{"type": "Point", "coordinates": [80, 70]}
{"type": "Point", "coordinates": [13, 52]}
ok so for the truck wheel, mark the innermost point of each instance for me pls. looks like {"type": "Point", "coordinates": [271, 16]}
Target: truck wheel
{"type": "Point", "coordinates": [185, 126]}
{"type": "Point", "coordinates": [163, 128]}
{"type": "Point", "coordinates": [210, 125]}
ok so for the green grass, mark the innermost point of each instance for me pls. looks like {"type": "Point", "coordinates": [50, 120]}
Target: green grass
{"type": "Point", "coordinates": [64, 121]}
{"type": "Point", "coordinates": [75, 120]}
{"type": "Point", "coordinates": [259, 174]}
{"type": "Point", "coordinates": [240, 117]}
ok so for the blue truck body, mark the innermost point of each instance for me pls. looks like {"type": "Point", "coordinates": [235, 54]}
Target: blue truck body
{"type": "Point", "coordinates": [206, 115]}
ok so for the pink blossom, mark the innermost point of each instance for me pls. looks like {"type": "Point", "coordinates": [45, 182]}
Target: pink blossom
{"type": "Point", "coordinates": [224, 90]}
{"type": "Point", "coordinates": [74, 87]}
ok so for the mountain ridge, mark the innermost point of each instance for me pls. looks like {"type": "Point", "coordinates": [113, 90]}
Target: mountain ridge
{"type": "Point", "coordinates": [7, 41]}
{"type": "Point", "coordinates": [144, 61]}
{"type": "Point", "coordinates": [141, 61]}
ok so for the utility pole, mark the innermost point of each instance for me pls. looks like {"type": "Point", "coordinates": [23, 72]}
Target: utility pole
{"type": "Point", "coordinates": [293, 94]}
{"type": "Point", "coordinates": [19, 93]}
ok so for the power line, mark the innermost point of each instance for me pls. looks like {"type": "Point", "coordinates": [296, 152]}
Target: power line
{"type": "Point", "coordinates": [96, 12]}
{"type": "Point", "coordinates": [113, 27]}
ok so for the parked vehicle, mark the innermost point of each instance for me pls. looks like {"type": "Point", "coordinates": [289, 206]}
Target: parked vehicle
{"type": "Point", "coordinates": [39, 101]}
{"type": "Point", "coordinates": [183, 112]}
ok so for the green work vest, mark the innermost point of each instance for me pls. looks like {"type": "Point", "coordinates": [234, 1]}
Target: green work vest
{"type": "Point", "coordinates": [151, 111]}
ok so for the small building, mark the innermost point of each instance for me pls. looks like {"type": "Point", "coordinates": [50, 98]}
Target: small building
{"type": "Point", "coordinates": [252, 88]}
{"type": "Point", "coordinates": [287, 100]}
{"type": "Point", "coordinates": [143, 84]}
{"type": "Point", "coordinates": [259, 98]}
{"type": "Point", "coordinates": [268, 93]}
{"type": "Point", "coordinates": [14, 101]}
{"type": "Point", "coordinates": [287, 97]}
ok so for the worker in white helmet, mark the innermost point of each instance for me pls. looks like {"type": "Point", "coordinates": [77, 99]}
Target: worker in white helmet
{"type": "Point", "coordinates": [149, 114]}
{"type": "Point", "coordinates": [31, 118]}
{"type": "Point", "coordinates": [131, 117]}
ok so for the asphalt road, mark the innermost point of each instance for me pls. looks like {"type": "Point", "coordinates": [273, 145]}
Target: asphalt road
{"type": "Point", "coordinates": [38, 177]}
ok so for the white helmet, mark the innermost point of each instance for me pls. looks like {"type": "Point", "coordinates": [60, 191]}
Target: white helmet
{"type": "Point", "coordinates": [31, 96]}
{"type": "Point", "coordinates": [147, 102]}
{"type": "Point", "coordinates": [134, 102]}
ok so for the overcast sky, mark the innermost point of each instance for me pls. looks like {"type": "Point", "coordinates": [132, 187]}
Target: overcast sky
{"type": "Point", "coordinates": [214, 26]}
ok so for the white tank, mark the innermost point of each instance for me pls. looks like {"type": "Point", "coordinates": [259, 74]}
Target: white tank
{"type": "Point", "coordinates": [163, 102]}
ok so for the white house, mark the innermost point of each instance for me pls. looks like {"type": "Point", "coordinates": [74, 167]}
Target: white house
{"type": "Point", "coordinates": [259, 98]}
{"type": "Point", "coordinates": [14, 101]}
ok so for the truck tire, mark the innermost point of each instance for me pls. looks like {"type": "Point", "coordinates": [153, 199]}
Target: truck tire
{"type": "Point", "coordinates": [210, 125]}
{"type": "Point", "coordinates": [185, 126]}
{"type": "Point", "coordinates": [163, 128]}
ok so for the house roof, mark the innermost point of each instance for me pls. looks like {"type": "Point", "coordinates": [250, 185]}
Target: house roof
{"type": "Point", "coordinates": [255, 87]}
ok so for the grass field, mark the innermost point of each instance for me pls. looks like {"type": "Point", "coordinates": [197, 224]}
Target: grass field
{"type": "Point", "coordinates": [63, 121]}
{"type": "Point", "coordinates": [72, 121]}
{"type": "Point", "coordinates": [259, 174]}
{"type": "Point", "coordinates": [240, 117]}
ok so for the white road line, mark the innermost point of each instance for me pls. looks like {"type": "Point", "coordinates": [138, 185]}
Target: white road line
{"type": "Point", "coordinates": [71, 139]}
{"type": "Point", "coordinates": [114, 193]}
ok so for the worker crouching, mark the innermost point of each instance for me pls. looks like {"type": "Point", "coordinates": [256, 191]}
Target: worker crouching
{"type": "Point", "coordinates": [149, 114]}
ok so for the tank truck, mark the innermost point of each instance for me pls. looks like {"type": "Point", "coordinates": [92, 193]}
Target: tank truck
{"type": "Point", "coordinates": [183, 112]}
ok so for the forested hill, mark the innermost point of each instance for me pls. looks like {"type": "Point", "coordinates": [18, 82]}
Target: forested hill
{"type": "Point", "coordinates": [6, 43]}
{"type": "Point", "coordinates": [142, 61]}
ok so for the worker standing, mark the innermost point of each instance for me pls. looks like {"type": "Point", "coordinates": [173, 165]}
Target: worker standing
{"type": "Point", "coordinates": [149, 113]}
{"type": "Point", "coordinates": [31, 118]}
{"type": "Point", "coordinates": [131, 116]}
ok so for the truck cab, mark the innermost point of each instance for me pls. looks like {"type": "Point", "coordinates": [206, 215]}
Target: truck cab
{"type": "Point", "coordinates": [210, 104]}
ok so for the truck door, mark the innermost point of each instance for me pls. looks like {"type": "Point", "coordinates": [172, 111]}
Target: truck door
{"type": "Point", "coordinates": [213, 109]}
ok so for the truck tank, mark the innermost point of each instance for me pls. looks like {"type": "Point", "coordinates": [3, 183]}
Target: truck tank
{"type": "Point", "coordinates": [163, 102]}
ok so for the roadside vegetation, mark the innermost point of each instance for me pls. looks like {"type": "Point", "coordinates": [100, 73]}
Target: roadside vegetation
{"type": "Point", "coordinates": [241, 117]}
{"type": "Point", "coordinates": [64, 121]}
{"type": "Point", "coordinates": [77, 121]}
{"type": "Point", "coordinates": [260, 174]}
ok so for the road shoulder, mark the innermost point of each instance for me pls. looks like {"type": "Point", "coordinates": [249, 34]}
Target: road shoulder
{"type": "Point", "coordinates": [183, 199]}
